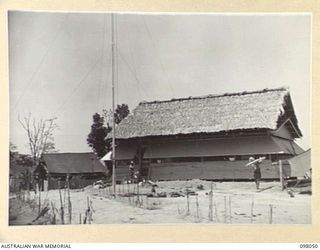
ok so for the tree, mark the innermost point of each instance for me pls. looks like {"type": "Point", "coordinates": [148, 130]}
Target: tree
{"type": "Point", "coordinates": [121, 112]}
{"type": "Point", "coordinates": [20, 169]}
{"type": "Point", "coordinates": [17, 159]}
{"type": "Point", "coordinates": [13, 152]}
{"type": "Point", "coordinates": [40, 135]}
{"type": "Point", "coordinates": [97, 139]}
{"type": "Point", "coordinates": [97, 136]}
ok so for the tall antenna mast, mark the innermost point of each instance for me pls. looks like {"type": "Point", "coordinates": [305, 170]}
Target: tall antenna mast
{"type": "Point", "coordinates": [113, 108]}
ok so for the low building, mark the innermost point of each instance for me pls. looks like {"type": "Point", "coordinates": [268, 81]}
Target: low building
{"type": "Point", "coordinates": [301, 164]}
{"type": "Point", "coordinates": [82, 169]}
{"type": "Point", "coordinates": [209, 137]}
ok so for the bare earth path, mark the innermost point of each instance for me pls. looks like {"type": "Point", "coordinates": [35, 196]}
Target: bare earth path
{"type": "Point", "coordinates": [235, 202]}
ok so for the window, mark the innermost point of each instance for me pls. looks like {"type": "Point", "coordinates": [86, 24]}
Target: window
{"type": "Point", "coordinates": [176, 160]}
{"type": "Point", "coordinates": [216, 158]}
{"type": "Point", "coordinates": [186, 159]}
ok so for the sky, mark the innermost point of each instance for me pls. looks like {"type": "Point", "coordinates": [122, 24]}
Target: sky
{"type": "Point", "coordinates": [60, 64]}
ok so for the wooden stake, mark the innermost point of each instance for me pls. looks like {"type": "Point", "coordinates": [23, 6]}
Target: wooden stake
{"type": "Point", "coordinates": [252, 206]}
{"type": "Point", "coordinates": [281, 173]}
{"type": "Point", "coordinates": [69, 201]}
{"type": "Point", "coordinates": [225, 209]}
{"type": "Point", "coordinates": [53, 222]}
{"type": "Point", "coordinates": [61, 205]}
{"type": "Point", "coordinates": [39, 202]}
{"type": "Point", "coordinates": [230, 211]}
{"type": "Point", "coordinates": [64, 194]}
{"type": "Point", "coordinates": [80, 219]}
{"type": "Point", "coordinates": [188, 204]}
{"type": "Point", "coordinates": [197, 204]}
{"type": "Point", "coordinates": [138, 197]}
{"type": "Point", "coordinates": [270, 214]}
{"type": "Point", "coordinates": [134, 193]}
{"type": "Point", "coordinates": [211, 203]}
{"type": "Point", "coordinates": [88, 210]}
{"type": "Point", "coordinates": [147, 202]}
{"type": "Point", "coordinates": [216, 210]}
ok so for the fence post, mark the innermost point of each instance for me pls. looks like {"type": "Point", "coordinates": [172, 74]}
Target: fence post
{"type": "Point", "coordinates": [69, 200]}
{"type": "Point", "coordinates": [138, 195]}
{"type": "Point", "coordinates": [216, 211]}
{"type": "Point", "coordinates": [281, 173]}
{"type": "Point", "coordinates": [211, 202]}
{"type": "Point", "coordinates": [270, 215]}
{"type": "Point", "coordinates": [89, 210]}
{"type": "Point", "coordinates": [39, 202]}
{"type": "Point", "coordinates": [147, 203]}
{"type": "Point", "coordinates": [252, 205]}
{"type": "Point", "coordinates": [230, 211]}
{"type": "Point", "coordinates": [61, 204]}
{"type": "Point", "coordinates": [188, 204]}
{"type": "Point", "coordinates": [225, 209]}
{"type": "Point", "coordinates": [197, 204]}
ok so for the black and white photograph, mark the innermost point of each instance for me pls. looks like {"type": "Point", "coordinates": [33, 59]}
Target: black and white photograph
{"type": "Point", "coordinates": [159, 118]}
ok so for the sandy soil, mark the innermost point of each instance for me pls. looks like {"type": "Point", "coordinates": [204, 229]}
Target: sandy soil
{"type": "Point", "coordinates": [233, 202]}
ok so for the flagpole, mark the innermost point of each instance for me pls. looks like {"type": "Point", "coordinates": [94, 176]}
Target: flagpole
{"type": "Point", "coordinates": [113, 107]}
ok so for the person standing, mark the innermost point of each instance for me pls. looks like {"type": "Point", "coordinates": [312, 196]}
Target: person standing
{"type": "Point", "coordinates": [256, 170]}
{"type": "Point", "coordinates": [131, 171]}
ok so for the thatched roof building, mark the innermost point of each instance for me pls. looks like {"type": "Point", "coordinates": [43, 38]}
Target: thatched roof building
{"type": "Point", "coordinates": [209, 136]}
{"type": "Point", "coordinates": [259, 110]}
{"type": "Point", "coordinates": [301, 164]}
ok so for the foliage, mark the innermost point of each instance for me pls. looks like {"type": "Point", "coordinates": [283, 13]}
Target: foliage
{"type": "Point", "coordinates": [96, 138]}
{"type": "Point", "coordinates": [121, 112]}
{"type": "Point", "coordinates": [21, 167]}
{"type": "Point", "coordinates": [17, 159]}
{"type": "Point", "coordinates": [101, 127]}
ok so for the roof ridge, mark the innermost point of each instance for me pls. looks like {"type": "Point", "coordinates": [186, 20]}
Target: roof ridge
{"type": "Point", "coordinates": [217, 95]}
{"type": "Point", "coordinates": [64, 153]}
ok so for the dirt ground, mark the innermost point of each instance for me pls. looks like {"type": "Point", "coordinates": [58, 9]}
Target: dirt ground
{"type": "Point", "coordinates": [233, 202]}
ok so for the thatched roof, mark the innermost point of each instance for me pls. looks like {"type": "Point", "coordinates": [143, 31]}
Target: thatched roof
{"type": "Point", "coordinates": [210, 114]}
{"type": "Point", "coordinates": [73, 163]}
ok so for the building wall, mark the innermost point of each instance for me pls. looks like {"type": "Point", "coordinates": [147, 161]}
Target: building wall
{"type": "Point", "coordinates": [76, 182]}
{"type": "Point", "coordinates": [213, 170]}
{"type": "Point", "coordinates": [221, 158]}
{"type": "Point", "coordinates": [122, 172]}
{"type": "Point", "coordinates": [283, 132]}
